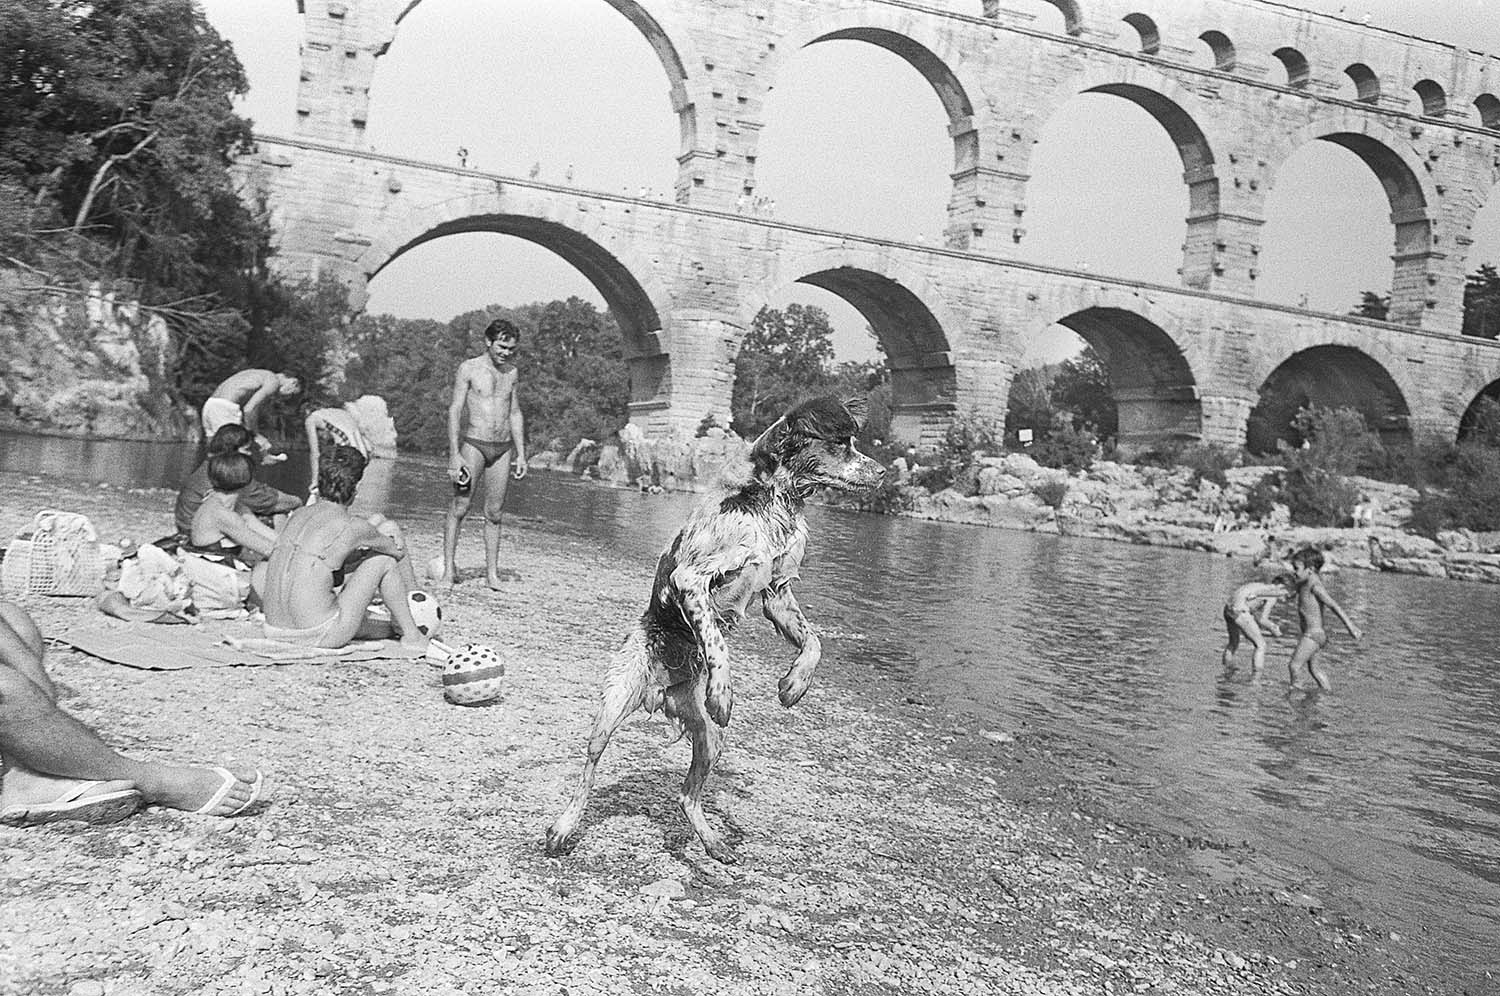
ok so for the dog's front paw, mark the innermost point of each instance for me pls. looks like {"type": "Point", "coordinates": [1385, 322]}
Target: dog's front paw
{"type": "Point", "coordinates": [792, 686]}
{"type": "Point", "coordinates": [720, 851]}
{"type": "Point", "coordinates": [559, 838]}
{"type": "Point", "coordinates": [719, 699]}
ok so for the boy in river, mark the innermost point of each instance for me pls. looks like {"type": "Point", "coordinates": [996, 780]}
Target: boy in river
{"type": "Point", "coordinates": [484, 389]}
{"type": "Point", "coordinates": [1312, 597]}
{"type": "Point", "coordinates": [1240, 619]}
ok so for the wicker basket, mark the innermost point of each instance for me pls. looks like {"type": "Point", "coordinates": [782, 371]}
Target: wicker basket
{"type": "Point", "coordinates": [58, 555]}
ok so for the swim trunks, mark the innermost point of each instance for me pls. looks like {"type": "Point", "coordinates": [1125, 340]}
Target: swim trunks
{"type": "Point", "coordinates": [491, 449]}
{"type": "Point", "coordinates": [219, 412]}
{"type": "Point", "coordinates": [308, 636]}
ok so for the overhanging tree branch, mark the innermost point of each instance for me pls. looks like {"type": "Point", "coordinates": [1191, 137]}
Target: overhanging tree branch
{"type": "Point", "coordinates": [102, 172]}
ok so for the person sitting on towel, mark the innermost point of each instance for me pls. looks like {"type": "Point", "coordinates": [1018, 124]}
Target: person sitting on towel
{"type": "Point", "coordinates": [219, 527]}
{"type": "Point", "coordinates": [257, 496]}
{"type": "Point", "coordinates": [329, 564]}
{"type": "Point", "coordinates": [55, 768]}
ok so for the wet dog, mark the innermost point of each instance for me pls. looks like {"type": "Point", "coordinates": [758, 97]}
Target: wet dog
{"type": "Point", "coordinates": [745, 542]}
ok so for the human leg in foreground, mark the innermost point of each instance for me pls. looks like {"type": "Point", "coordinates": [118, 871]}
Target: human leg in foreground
{"type": "Point", "coordinates": [54, 765]}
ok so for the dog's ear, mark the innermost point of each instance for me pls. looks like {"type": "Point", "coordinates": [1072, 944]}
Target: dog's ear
{"type": "Point", "coordinates": [765, 452]}
{"type": "Point", "coordinates": [858, 408]}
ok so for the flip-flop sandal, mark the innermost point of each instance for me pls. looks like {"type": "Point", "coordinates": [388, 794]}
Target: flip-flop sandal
{"type": "Point", "coordinates": [230, 781]}
{"type": "Point", "coordinates": [437, 654]}
{"type": "Point", "coordinates": [425, 612]}
{"type": "Point", "coordinates": [107, 807]}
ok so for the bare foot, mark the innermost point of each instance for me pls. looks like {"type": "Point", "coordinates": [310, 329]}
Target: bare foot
{"type": "Point", "coordinates": [27, 788]}
{"type": "Point", "coordinates": [446, 581]}
{"type": "Point", "coordinates": [503, 574]}
{"type": "Point", "coordinates": [190, 789]}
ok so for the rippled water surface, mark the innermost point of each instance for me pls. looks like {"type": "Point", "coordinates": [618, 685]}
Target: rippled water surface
{"type": "Point", "coordinates": [1386, 791]}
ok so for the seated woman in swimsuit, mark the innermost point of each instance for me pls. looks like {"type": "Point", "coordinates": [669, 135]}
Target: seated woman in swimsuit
{"type": "Point", "coordinates": [329, 564]}
{"type": "Point", "coordinates": [218, 527]}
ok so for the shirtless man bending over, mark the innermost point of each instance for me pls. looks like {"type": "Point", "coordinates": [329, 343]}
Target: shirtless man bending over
{"type": "Point", "coordinates": [485, 390]}
{"type": "Point", "coordinates": [239, 399]}
{"type": "Point", "coordinates": [328, 564]}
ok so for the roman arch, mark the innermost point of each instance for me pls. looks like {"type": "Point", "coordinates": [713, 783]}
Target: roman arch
{"type": "Point", "coordinates": [1238, 87]}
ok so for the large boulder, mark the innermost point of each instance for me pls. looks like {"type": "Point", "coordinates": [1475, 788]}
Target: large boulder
{"type": "Point", "coordinates": [375, 423]}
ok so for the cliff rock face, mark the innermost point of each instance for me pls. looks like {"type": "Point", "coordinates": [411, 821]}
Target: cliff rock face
{"type": "Point", "coordinates": [85, 365]}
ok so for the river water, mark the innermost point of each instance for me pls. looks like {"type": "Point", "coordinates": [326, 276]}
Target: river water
{"type": "Point", "coordinates": [1382, 796]}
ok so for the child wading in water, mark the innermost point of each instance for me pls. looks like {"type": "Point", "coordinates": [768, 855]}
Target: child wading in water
{"type": "Point", "coordinates": [1239, 617]}
{"type": "Point", "coordinates": [1312, 597]}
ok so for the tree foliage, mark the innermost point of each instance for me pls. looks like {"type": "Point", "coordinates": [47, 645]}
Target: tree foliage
{"type": "Point", "coordinates": [1373, 305]}
{"type": "Point", "coordinates": [1482, 303]}
{"type": "Point", "coordinates": [785, 356]}
{"type": "Point", "coordinates": [1071, 397]}
{"type": "Point", "coordinates": [117, 137]}
{"type": "Point", "coordinates": [116, 121]}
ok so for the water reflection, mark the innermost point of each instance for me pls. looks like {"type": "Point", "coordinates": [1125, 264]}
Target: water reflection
{"type": "Point", "coordinates": [1385, 789]}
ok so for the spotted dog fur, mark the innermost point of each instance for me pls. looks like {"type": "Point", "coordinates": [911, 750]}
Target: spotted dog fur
{"type": "Point", "coordinates": [745, 542]}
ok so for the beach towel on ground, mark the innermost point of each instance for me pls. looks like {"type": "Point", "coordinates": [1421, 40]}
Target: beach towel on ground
{"type": "Point", "coordinates": [158, 648]}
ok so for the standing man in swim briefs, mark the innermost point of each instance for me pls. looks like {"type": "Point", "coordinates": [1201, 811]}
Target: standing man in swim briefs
{"type": "Point", "coordinates": [239, 399]}
{"type": "Point", "coordinates": [485, 389]}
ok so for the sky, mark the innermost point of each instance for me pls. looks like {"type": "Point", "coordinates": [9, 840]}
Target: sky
{"type": "Point", "coordinates": [854, 140]}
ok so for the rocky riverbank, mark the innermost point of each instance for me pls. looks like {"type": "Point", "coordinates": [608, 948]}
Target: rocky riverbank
{"type": "Point", "coordinates": [1170, 507]}
{"type": "Point", "coordinates": [887, 847]}
{"type": "Point", "coordinates": [1152, 506]}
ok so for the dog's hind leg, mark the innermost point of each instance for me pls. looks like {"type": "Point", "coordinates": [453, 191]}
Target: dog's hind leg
{"type": "Point", "coordinates": [685, 702]}
{"type": "Point", "coordinates": [780, 606]}
{"type": "Point", "coordinates": [624, 692]}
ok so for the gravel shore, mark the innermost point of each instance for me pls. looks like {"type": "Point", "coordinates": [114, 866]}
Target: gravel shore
{"type": "Point", "coordinates": [885, 847]}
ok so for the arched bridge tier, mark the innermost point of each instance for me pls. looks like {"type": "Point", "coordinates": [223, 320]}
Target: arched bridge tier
{"type": "Point", "coordinates": [1237, 85]}
{"type": "Point", "coordinates": [684, 281]}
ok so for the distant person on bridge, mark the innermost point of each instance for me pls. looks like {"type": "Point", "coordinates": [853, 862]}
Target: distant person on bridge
{"type": "Point", "coordinates": [484, 391]}
{"type": "Point", "coordinates": [239, 399]}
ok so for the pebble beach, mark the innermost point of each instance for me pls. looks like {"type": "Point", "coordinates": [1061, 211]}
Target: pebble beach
{"type": "Point", "coordinates": [885, 846]}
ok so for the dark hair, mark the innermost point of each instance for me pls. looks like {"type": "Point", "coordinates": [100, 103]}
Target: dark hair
{"type": "Point", "coordinates": [825, 417]}
{"type": "Point", "coordinates": [230, 471]}
{"type": "Point", "coordinates": [1308, 556]}
{"type": "Point", "coordinates": [501, 328]}
{"type": "Point", "coordinates": [339, 471]}
{"type": "Point", "coordinates": [230, 438]}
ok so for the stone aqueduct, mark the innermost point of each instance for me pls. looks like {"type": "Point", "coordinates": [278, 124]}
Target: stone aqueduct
{"type": "Point", "coordinates": [684, 278]}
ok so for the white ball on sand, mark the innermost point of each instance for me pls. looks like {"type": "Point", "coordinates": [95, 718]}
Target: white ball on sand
{"type": "Point", "coordinates": [435, 567]}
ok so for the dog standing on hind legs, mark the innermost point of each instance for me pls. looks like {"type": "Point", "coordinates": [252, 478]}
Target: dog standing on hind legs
{"type": "Point", "coordinates": [745, 542]}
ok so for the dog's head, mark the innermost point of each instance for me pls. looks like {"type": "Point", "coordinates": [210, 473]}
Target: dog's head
{"type": "Point", "coordinates": [813, 443]}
